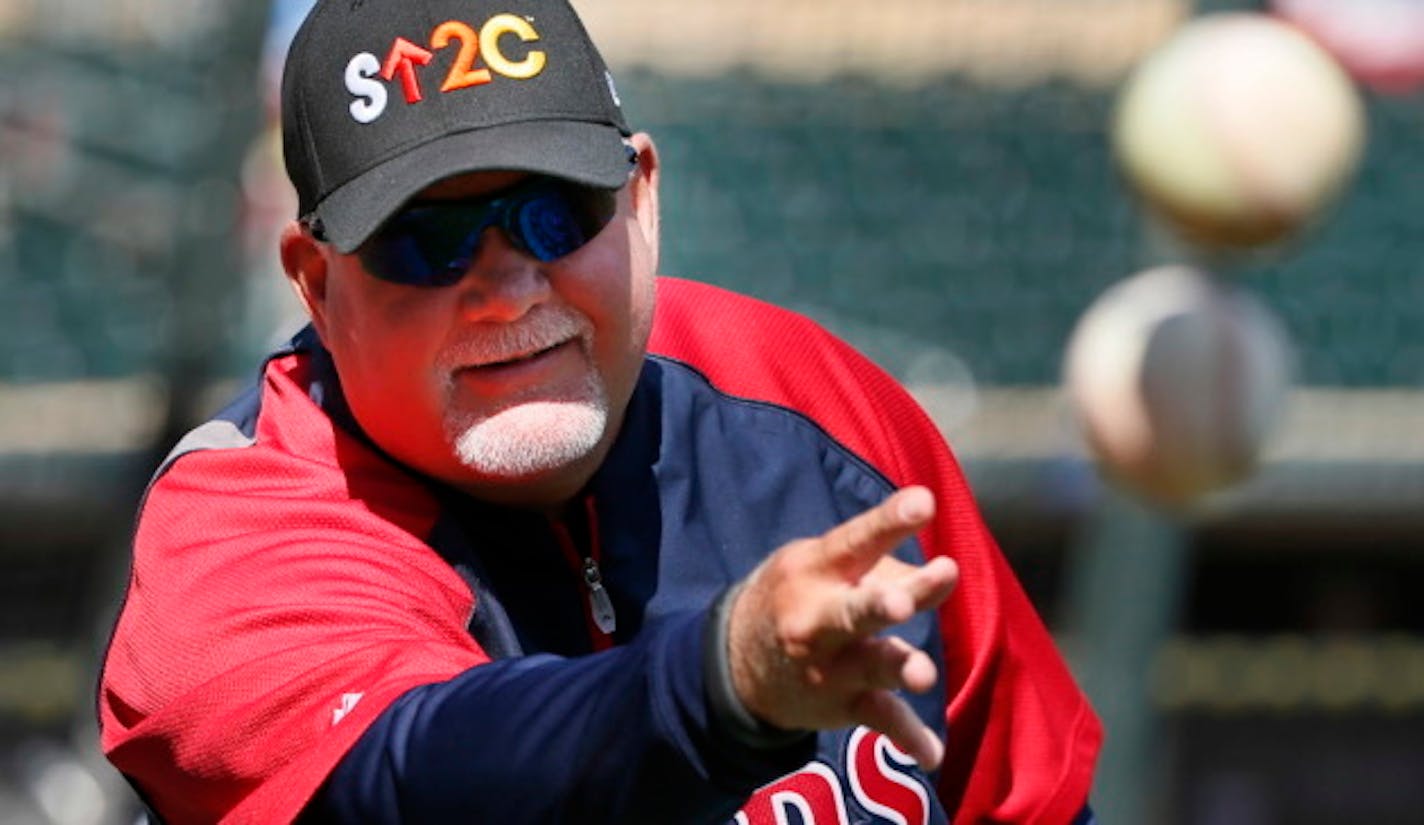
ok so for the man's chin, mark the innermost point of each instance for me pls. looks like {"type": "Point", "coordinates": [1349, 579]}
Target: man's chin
{"type": "Point", "coordinates": [531, 440]}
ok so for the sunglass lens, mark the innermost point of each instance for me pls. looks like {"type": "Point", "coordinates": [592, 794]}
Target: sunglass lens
{"type": "Point", "coordinates": [547, 227]}
{"type": "Point", "coordinates": [424, 246]}
{"type": "Point", "coordinates": [434, 245]}
{"type": "Point", "coordinates": [557, 219]}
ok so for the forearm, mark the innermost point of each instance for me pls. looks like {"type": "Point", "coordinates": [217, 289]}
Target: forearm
{"type": "Point", "coordinates": [620, 736]}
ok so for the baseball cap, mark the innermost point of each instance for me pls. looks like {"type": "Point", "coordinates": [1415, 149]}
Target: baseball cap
{"type": "Point", "coordinates": [381, 98]}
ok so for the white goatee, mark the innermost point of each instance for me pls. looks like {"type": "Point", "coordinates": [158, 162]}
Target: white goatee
{"type": "Point", "coordinates": [537, 434]}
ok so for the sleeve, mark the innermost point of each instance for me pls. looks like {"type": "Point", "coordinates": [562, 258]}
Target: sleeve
{"type": "Point", "coordinates": [272, 613]}
{"type": "Point", "coordinates": [1022, 739]}
{"type": "Point", "coordinates": [287, 642]}
{"type": "Point", "coordinates": [619, 736]}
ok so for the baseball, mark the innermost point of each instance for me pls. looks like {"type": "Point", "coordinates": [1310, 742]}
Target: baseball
{"type": "Point", "coordinates": [1177, 378]}
{"type": "Point", "coordinates": [1238, 131]}
{"type": "Point", "coordinates": [1379, 42]}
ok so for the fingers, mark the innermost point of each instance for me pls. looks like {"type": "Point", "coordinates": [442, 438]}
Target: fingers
{"type": "Point", "coordinates": [870, 608]}
{"type": "Point", "coordinates": [889, 714]}
{"type": "Point", "coordinates": [857, 544]}
{"type": "Point", "coordinates": [882, 663]}
{"type": "Point", "coordinates": [930, 584]}
{"type": "Point", "coordinates": [802, 645]}
{"type": "Point", "coordinates": [895, 593]}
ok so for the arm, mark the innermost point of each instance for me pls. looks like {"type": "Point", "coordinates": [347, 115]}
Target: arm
{"type": "Point", "coordinates": [803, 643]}
{"type": "Point", "coordinates": [621, 736]}
{"type": "Point", "coordinates": [1022, 739]}
{"type": "Point", "coordinates": [647, 733]}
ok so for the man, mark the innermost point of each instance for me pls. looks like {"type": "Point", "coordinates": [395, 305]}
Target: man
{"type": "Point", "coordinates": [494, 541]}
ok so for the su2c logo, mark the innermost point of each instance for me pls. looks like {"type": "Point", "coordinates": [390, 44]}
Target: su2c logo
{"type": "Point", "coordinates": [365, 72]}
{"type": "Point", "coordinates": [876, 773]}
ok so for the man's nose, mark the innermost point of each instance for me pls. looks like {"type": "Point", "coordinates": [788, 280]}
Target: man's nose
{"type": "Point", "coordinates": [503, 282]}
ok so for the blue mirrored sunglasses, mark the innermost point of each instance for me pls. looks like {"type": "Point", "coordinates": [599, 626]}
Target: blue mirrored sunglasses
{"type": "Point", "coordinates": [433, 244]}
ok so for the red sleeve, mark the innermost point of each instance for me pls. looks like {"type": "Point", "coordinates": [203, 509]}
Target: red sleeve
{"type": "Point", "coordinates": [281, 597]}
{"type": "Point", "coordinates": [1022, 738]}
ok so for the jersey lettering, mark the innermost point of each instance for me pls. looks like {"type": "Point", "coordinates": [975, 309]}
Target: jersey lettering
{"type": "Point", "coordinates": [879, 776]}
{"type": "Point", "coordinates": [814, 793]}
{"type": "Point", "coordinates": [877, 779]}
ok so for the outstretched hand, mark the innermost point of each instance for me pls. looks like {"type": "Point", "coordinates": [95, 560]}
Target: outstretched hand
{"type": "Point", "coordinates": [802, 634]}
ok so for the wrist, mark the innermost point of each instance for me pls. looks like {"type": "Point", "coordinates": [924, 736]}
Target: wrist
{"type": "Point", "coordinates": [727, 708]}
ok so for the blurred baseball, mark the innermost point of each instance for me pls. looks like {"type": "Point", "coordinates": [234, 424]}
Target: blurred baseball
{"type": "Point", "coordinates": [1177, 379]}
{"type": "Point", "coordinates": [1238, 131]}
{"type": "Point", "coordinates": [1379, 42]}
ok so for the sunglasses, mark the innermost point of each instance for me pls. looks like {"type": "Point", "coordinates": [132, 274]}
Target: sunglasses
{"type": "Point", "coordinates": [433, 244]}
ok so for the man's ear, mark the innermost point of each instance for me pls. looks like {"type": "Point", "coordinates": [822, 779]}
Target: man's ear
{"type": "Point", "coordinates": [643, 189]}
{"type": "Point", "coordinates": [307, 267]}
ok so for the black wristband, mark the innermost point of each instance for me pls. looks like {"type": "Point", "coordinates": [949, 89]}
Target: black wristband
{"type": "Point", "coordinates": [728, 712]}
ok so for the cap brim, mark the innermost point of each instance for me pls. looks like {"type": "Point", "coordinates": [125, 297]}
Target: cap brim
{"type": "Point", "coordinates": [589, 153]}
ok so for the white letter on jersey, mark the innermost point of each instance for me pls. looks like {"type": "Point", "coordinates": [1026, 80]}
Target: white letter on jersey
{"type": "Point", "coordinates": [880, 786]}
{"type": "Point", "coordinates": [361, 74]}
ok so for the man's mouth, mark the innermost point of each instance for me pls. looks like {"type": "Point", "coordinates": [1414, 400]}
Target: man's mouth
{"type": "Point", "coordinates": [519, 359]}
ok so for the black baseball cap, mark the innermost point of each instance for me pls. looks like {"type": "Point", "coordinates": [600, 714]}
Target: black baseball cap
{"type": "Point", "coordinates": [381, 98]}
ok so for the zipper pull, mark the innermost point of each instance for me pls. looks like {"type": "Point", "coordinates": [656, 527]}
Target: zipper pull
{"type": "Point", "coordinates": [598, 601]}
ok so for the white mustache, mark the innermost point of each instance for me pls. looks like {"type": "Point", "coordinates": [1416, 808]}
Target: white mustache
{"type": "Point", "coordinates": [541, 329]}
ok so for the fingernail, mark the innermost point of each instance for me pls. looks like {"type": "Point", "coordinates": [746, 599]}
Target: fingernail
{"type": "Point", "coordinates": [916, 506]}
{"type": "Point", "coordinates": [950, 566]}
{"type": "Point", "coordinates": [936, 754]}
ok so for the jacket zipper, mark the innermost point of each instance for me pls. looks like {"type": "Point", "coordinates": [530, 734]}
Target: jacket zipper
{"type": "Point", "coordinates": [600, 616]}
{"type": "Point", "coordinates": [599, 604]}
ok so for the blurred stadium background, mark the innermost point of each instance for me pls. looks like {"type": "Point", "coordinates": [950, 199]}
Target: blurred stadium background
{"type": "Point", "coordinates": [929, 178]}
